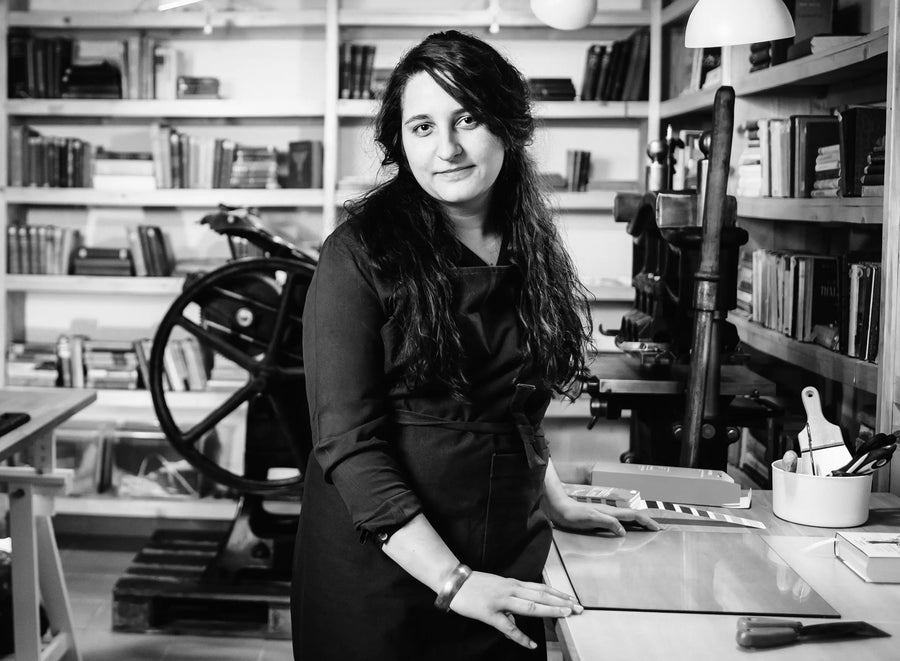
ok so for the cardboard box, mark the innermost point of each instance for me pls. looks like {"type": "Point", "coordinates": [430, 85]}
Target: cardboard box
{"type": "Point", "coordinates": [695, 486]}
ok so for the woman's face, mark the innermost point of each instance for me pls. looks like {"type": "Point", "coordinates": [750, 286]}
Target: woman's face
{"type": "Point", "coordinates": [454, 158]}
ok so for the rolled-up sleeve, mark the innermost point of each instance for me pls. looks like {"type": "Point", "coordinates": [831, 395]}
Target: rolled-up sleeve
{"type": "Point", "coordinates": [343, 353]}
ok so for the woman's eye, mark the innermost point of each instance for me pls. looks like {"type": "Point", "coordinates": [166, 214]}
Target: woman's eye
{"type": "Point", "coordinates": [422, 129]}
{"type": "Point", "coordinates": [468, 121]}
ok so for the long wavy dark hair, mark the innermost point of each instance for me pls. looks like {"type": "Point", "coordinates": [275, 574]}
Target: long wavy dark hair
{"type": "Point", "coordinates": [412, 242]}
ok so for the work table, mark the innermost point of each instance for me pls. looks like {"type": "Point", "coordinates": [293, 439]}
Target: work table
{"type": "Point", "coordinates": [643, 635]}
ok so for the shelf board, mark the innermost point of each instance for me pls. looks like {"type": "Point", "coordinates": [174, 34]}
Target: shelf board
{"type": "Point", "coordinates": [162, 108]}
{"type": "Point", "coordinates": [687, 103]}
{"type": "Point", "coordinates": [675, 10]}
{"type": "Point", "coordinates": [845, 62]}
{"type": "Point", "coordinates": [611, 292]}
{"type": "Point", "coordinates": [166, 197]}
{"type": "Point", "coordinates": [206, 509]}
{"type": "Point", "coordinates": [546, 110]}
{"type": "Point", "coordinates": [187, 20]}
{"type": "Point", "coordinates": [584, 201]}
{"type": "Point", "coordinates": [563, 408]}
{"type": "Point", "coordinates": [857, 210]}
{"type": "Point", "coordinates": [819, 360]}
{"type": "Point", "coordinates": [591, 110]}
{"type": "Point", "coordinates": [478, 19]}
{"type": "Point", "coordinates": [204, 401]}
{"type": "Point", "coordinates": [86, 284]}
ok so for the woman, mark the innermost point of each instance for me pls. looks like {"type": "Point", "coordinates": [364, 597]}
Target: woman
{"type": "Point", "coordinates": [441, 314]}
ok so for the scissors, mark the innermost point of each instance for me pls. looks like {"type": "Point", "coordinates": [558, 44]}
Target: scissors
{"type": "Point", "coordinates": [866, 462]}
{"type": "Point", "coordinates": [771, 631]}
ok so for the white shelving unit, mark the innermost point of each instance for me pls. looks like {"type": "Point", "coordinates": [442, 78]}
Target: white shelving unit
{"type": "Point", "coordinates": [313, 109]}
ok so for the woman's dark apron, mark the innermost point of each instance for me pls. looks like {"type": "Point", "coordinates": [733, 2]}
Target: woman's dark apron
{"type": "Point", "coordinates": [479, 474]}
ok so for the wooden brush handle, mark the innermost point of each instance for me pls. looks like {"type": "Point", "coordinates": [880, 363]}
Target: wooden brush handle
{"type": "Point", "coordinates": [812, 404]}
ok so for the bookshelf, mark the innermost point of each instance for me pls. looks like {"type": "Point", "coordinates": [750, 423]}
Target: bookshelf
{"type": "Point", "coordinates": [861, 71]}
{"type": "Point", "coordinates": [818, 360]}
{"type": "Point", "coordinates": [296, 99]}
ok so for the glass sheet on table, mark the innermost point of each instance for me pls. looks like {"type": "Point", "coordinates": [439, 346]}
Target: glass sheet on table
{"type": "Point", "coordinates": [686, 571]}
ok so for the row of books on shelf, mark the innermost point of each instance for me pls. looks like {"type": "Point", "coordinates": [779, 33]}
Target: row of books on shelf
{"type": "Point", "coordinates": [138, 67]}
{"type": "Point", "coordinates": [618, 70]}
{"type": "Point", "coordinates": [175, 160]}
{"type": "Point", "coordinates": [578, 169]}
{"type": "Point", "coordinates": [356, 69]}
{"type": "Point", "coordinates": [816, 30]}
{"type": "Point", "coordinates": [839, 155]}
{"type": "Point", "coordinates": [52, 250]}
{"type": "Point", "coordinates": [830, 300]}
{"type": "Point", "coordinates": [77, 361]}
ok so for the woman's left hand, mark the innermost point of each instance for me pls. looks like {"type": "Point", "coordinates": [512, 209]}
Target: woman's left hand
{"type": "Point", "coordinates": [575, 515]}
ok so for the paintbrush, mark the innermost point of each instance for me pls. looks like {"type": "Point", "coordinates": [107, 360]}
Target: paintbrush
{"type": "Point", "coordinates": [821, 441]}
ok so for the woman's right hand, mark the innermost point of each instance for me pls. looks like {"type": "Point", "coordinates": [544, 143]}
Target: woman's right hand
{"type": "Point", "coordinates": [494, 600]}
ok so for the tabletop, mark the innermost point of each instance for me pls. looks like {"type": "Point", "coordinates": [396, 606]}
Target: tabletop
{"type": "Point", "coordinates": [621, 374]}
{"type": "Point", "coordinates": [629, 634]}
{"type": "Point", "coordinates": [47, 408]}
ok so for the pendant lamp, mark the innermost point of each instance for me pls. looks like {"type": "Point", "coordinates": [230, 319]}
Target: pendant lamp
{"type": "Point", "coordinates": [565, 14]}
{"type": "Point", "coordinates": [731, 22]}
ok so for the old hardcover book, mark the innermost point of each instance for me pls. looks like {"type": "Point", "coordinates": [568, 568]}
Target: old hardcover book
{"type": "Point", "coordinates": [861, 129]}
{"type": "Point", "coordinates": [873, 556]}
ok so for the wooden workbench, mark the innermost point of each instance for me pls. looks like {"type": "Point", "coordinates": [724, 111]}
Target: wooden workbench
{"type": "Point", "coordinates": [36, 571]}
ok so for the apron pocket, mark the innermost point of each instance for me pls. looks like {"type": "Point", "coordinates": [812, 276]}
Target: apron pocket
{"type": "Point", "coordinates": [512, 509]}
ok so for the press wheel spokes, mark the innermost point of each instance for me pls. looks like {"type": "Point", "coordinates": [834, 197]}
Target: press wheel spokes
{"type": "Point", "coordinates": [245, 317]}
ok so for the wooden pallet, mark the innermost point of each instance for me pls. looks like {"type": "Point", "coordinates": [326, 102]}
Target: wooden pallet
{"type": "Point", "coordinates": [165, 590]}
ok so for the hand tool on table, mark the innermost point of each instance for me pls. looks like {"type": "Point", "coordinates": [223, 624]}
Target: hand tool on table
{"type": "Point", "coordinates": [866, 462]}
{"type": "Point", "coordinates": [759, 632]}
{"type": "Point", "coordinates": [821, 441]}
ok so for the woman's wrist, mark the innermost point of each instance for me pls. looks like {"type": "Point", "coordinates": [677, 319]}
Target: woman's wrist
{"type": "Point", "coordinates": [451, 585]}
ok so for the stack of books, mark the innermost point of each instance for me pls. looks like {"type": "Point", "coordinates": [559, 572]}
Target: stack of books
{"type": "Point", "coordinates": [760, 55]}
{"type": "Point", "coordinates": [749, 167]}
{"type": "Point", "coordinates": [254, 167]}
{"type": "Point", "coordinates": [89, 260]}
{"type": "Point", "coordinates": [31, 364]}
{"type": "Point", "coordinates": [123, 170]}
{"type": "Point", "coordinates": [109, 364]}
{"type": "Point", "coordinates": [872, 179]}
{"type": "Point", "coordinates": [765, 54]}
{"type": "Point", "coordinates": [827, 172]}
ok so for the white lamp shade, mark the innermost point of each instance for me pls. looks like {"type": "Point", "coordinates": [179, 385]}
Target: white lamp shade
{"type": "Point", "coordinates": [730, 22]}
{"type": "Point", "coordinates": [565, 14]}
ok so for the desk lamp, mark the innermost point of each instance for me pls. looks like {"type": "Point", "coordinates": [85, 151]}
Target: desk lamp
{"type": "Point", "coordinates": [715, 23]}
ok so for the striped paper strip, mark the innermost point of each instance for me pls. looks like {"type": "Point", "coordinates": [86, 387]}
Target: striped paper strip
{"type": "Point", "coordinates": [703, 514]}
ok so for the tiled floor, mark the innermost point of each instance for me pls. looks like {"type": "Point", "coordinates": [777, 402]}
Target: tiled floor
{"type": "Point", "coordinates": [90, 575]}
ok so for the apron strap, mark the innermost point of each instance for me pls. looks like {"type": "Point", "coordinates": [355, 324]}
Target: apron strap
{"type": "Point", "coordinates": [534, 443]}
